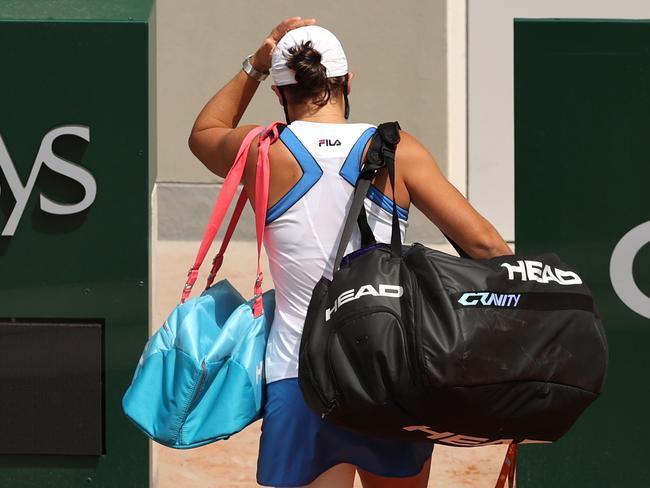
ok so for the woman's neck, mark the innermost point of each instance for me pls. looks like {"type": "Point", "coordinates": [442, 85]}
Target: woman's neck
{"type": "Point", "coordinates": [332, 113]}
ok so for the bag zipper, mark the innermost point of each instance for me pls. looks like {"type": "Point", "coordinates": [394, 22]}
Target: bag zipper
{"type": "Point", "coordinates": [328, 360]}
{"type": "Point", "coordinates": [327, 404]}
{"type": "Point", "coordinates": [418, 355]}
{"type": "Point", "coordinates": [340, 324]}
{"type": "Point", "coordinates": [204, 372]}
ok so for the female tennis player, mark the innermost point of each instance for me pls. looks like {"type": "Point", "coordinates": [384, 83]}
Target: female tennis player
{"type": "Point", "coordinates": [311, 182]}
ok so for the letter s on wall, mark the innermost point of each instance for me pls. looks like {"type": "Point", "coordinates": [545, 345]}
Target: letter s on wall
{"type": "Point", "coordinates": [621, 272]}
{"type": "Point", "coordinates": [66, 168]}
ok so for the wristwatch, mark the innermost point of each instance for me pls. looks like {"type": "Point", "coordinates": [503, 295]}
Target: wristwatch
{"type": "Point", "coordinates": [252, 72]}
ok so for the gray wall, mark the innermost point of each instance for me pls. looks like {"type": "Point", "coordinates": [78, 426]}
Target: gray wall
{"type": "Point", "coordinates": [398, 56]}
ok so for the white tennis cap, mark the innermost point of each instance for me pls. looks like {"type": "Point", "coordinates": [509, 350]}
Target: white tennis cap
{"type": "Point", "coordinates": [322, 40]}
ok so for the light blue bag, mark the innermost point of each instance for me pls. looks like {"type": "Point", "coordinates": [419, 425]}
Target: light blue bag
{"type": "Point", "coordinates": [201, 375]}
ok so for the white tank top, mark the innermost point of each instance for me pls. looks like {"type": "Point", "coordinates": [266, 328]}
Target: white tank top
{"type": "Point", "coordinates": [303, 228]}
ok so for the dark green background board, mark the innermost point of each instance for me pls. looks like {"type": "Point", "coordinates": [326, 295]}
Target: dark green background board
{"type": "Point", "coordinates": [92, 265]}
{"type": "Point", "coordinates": [582, 177]}
{"type": "Point", "coordinates": [77, 10]}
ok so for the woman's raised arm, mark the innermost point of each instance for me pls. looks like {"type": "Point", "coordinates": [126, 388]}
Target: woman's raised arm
{"type": "Point", "coordinates": [214, 138]}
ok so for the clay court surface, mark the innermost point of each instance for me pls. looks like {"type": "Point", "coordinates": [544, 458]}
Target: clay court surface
{"type": "Point", "coordinates": [232, 463]}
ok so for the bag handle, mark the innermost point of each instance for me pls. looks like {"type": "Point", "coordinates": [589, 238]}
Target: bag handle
{"type": "Point", "coordinates": [268, 137]}
{"type": "Point", "coordinates": [225, 197]}
{"type": "Point", "coordinates": [217, 261]}
{"type": "Point", "coordinates": [221, 204]}
{"type": "Point", "coordinates": [380, 153]}
{"type": "Point", "coordinates": [239, 207]}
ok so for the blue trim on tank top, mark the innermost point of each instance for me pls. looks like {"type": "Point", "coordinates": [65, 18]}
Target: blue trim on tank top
{"type": "Point", "coordinates": [351, 166]}
{"type": "Point", "coordinates": [311, 173]}
{"type": "Point", "coordinates": [351, 169]}
{"type": "Point", "coordinates": [376, 195]}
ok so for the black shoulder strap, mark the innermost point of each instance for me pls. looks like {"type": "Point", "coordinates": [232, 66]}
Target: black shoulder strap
{"type": "Point", "coordinates": [389, 134]}
{"type": "Point", "coordinates": [380, 153]}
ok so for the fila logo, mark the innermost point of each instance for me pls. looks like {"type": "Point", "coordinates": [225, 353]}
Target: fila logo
{"type": "Point", "coordinates": [329, 142]}
{"type": "Point", "coordinates": [463, 440]}
{"type": "Point", "coordinates": [395, 291]}
{"type": "Point", "coordinates": [542, 273]}
{"type": "Point", "coordinates": [46, 157]}
{"type": "Point", "coordinates": [473, 298]}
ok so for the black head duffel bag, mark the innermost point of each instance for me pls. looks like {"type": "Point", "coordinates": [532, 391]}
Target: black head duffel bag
{"type": "Point", "coordinates": [410, 343]}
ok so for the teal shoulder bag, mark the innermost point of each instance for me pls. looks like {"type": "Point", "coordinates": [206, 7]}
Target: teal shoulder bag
{"type": "Point", "coordinates": [201, 375]}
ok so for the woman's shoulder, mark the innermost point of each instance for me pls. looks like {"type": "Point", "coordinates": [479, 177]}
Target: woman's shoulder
{"type": "Point", "coordinates": [410, 147]}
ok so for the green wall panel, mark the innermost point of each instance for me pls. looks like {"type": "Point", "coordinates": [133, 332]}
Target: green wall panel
{"type": "Point", "coordinates": [93, 264]}
{"type": "Point", "coordinates": [75, 10]}
{"type": "Point", "coordinates": [582, 170]}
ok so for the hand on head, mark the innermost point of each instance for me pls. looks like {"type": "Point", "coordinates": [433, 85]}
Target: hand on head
{"type": "Point", "coordinates": [262, 58]}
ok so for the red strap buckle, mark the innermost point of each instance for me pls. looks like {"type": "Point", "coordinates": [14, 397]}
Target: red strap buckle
{"type": "Point", "coordinates": [192, 275]}
{"type": "Point", "coordinates": [258, 281]}
{"type": "Point", "coordinates": [258, 305]}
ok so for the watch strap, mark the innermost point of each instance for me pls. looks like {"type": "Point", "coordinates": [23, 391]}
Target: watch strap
{"type": "Point", "coordinates": [250, 70]}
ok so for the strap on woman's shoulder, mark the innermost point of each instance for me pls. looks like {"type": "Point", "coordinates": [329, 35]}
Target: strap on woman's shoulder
{"type": "Point", "coordinates": [273, 131]}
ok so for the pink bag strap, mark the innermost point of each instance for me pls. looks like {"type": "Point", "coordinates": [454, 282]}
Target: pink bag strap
{"type": "Point", "coordinates": [228, 189]}
{"type": "Point", "coordinates": [268, 137]}
{"type": "Point", "coordinates": [233, 178]}
{"type": "Point", "coordinates": [218, 259]}
{"type": "Point", "coordinates": [263, 183]}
